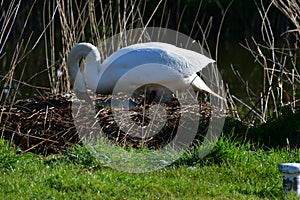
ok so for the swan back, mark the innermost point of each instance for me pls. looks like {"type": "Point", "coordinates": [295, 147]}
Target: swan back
{"type": "Point", "coordinates": [170, 64]}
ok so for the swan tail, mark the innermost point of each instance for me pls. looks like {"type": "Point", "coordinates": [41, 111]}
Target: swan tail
{"type": "Point", "coordinates": [199, 85]}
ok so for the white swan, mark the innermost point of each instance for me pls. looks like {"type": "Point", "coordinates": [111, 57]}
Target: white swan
{"type": "Point", "coordinates": [179, 68]}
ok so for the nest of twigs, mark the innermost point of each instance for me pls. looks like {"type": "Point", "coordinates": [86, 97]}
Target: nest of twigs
{"type": "Point", "coordinates": [42, 125]}
{"type": "Point", "coordinates": [46, 125]}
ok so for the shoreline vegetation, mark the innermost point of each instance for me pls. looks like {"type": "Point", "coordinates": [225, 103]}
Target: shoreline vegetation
{"type": "Point", "coordinates": [41, 155]}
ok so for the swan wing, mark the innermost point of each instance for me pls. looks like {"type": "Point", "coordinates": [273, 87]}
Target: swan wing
{"type": "Point", "coordinates": [185, 61]}
{"type": "Point", "coordinates": [162, 63]}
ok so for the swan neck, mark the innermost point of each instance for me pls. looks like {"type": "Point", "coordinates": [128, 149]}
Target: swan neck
{"type": "Point", "coordinates": [91, 53]}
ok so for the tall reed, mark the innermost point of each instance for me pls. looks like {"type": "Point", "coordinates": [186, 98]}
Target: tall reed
{"type": "Point", "coordinates": [278, 61]}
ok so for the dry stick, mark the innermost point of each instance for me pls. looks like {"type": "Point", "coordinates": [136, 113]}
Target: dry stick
{"type": "Point", "coordinates": [8, 19]}
{"type": "Point", "coordinates": [296, 76]}
{"type": "Point", "coordinates": [52, 49]}
{"type": "Point", "coordinates": [45, 27]}
{"type": "Point", "coordinates": [168, 19]}
{"type": "Point", "coordinates": [104, 28]}
{"type": "Point", "coordinates": [264, 76]}
{"type": "Point", "coordinates": [46, 43]}
{"type": "Point", "coordinates": [258, 101]}
{"type": "Point", "coordinates": [291, 9]}
{"type": "Point", "coordinates": [266, 24]}
{"type": "Point", "coordinates": [156, 8]}
{"type": "Point", "coordinates": [232, 104]}
{"type": "Point", "coordinates": [131, 13]}
{"type": "Point", "coordinates": [82, 21]}
{"type": "Point", "coordinates": [220, 28]}
{"type": "Point", "coordinates": [143, 14]}
{"type": "Point", "coordinates": [293, 90]}
{"type": "Point", "coordinates": [45, 117]}
{"type": "Point", "coordinates": [195, 20]}
{"type": "Point", "coordinates": [124, 22]}
{"type": "Point", "coordinates": [162, 18]}
{"type": "Point", "coordinates": [36, 145]}
{"type": "Point", "coordinates": [239, 76]}
{"type": "Point", "coordinates": [40, 138]}
{"type": "Point", "coordinates": [92, 14]}
{"type": "Point", "coordinates": [72, 30]}
{"type": "Point", "coordinates": [135, 17]}
{"type": "Point", "coordinates": [111, 23]}
{"type": "Point", "coordinates": [14, 13]}
{"type": "Point", "coordinates": [13, 65]}
{"type": "Point", "coordinates": [18, 56]}
{"type": "Point", "coordinates": [247, 106]}
{"type": "Point", "coordinates": [140, 21]}
{"type": "Point", "coordinates": [280, 82]}
{"type": "Point", "coordinates": [29, 85]}
{"type": "Point", "coordinates": [17, 88]}
{"type": "Point", "coordinates": [215, 74]}
{"type": "Point", "coordinates": [268, 30]}
{"type": "Point", "coordinates": [119, 24]}
{"type": "Point", "coordinates": [179, 22]}
{"type": "Point", "coordinates": [22, 33]}
{"type": "Point", "coordinates": [205, 34]}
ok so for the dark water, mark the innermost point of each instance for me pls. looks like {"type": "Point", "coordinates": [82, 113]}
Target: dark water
{"type": "Point", "coordinates": [235, 57]}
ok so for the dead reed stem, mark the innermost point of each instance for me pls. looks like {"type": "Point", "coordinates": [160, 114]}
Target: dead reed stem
{"type": "Point", "coordinates": [278, 61]}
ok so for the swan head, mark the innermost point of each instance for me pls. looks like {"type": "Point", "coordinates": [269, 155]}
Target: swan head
{"type": "Point", "coordinates": [81, 50]}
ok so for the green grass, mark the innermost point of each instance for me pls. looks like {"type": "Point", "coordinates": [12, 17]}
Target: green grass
{"type": "Point", "coordinates": [231, 171]}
